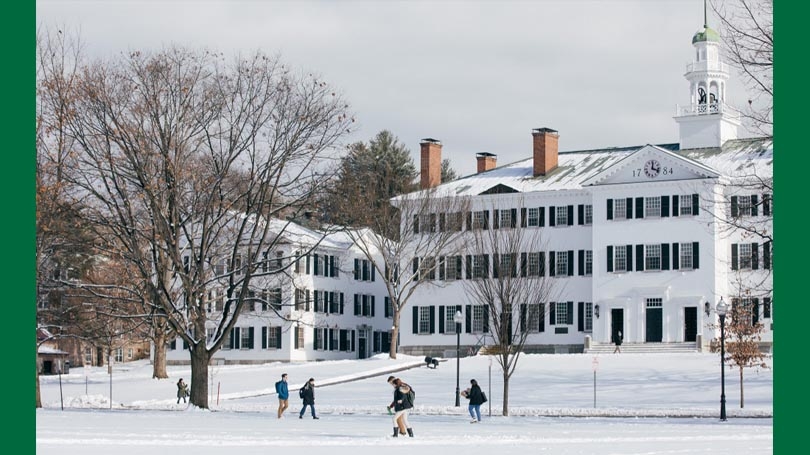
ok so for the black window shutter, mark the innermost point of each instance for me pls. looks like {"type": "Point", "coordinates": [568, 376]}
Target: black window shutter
{"type": "Point", "coordinates": [552, 215]}
{"type": "Point", "coordinates": [581, 214]}
{"type": "Point", "coordinates": [552, 259]}
{"type": "Point", "coordinates": [523, 327]}
{"type": "Point", "coordinates": [468, 319]}
{"type": "Point", "coordinates": [264, 337]}
{"type": "Point", "coordinates": [570, 215]}
{"type": "Point", "coordinates": [416, 224]}
{"type": "Point", "coordinates": [524, 264]}
{"type": "Point", "coordinates": [469, 221]}
{"type": "Point", "coordinates": [665, 256]}
{"type": "Point", "coordinates": [331, 266]}
{"type": "Point", "coordinates": [373, 270]}
{"type": "Point", "coordinates": [542, 263]}
{"type": "Point", "coordinates": [629, 254]}
{"type": "Point", "coordinates": [640, 258]}
{"type": "Point", "coordinates": [610, 209]}
{"type": "Point", "coordinates": [664, 206]}
{"type": "Point", "coordinates": [415, 319]}
{"type": "Point", "coordinates": [386, 312]}
{"type": "Point", "coordinates": [432, 313]}
{"type": "Point", "coordinates": [356, 269]}
{"type": "Point", "coordinates": [296, 337]}
{"type": "Point", "coordinates": [441, 268]}
{"type": "Point", "coordinates": [251, 339]}
{"type": "Point", "coordinates": [552, 307]}
{"type": "Point", "coordinates": [317, 337]}
{"type": "Point", "coordinates": [676, 261]}
{"type": "Point", "coordinates": [542, 318]}
{"type": "Point", "coordinates": [231, 338]}
{"type": "Point", "coordinates": [357, 304]}
{"type": "Point", "coordinates": [570, 262]}
{"type": "Point", "coordinates": [766, 204]}
{"type": "Point", "coordinates": [754, 256]}
{"type": "Point", "coordinates": [639, 207]}
{"type": "Point", "coordinates": [308, 269]}
{"type": "Point", "coordinates": [542, 216]}
{"type": "Point", "coordinates": [734, 256]}
{"type": "Point", "coordinates": [496, 268]}
{"type": "Point", "coordinates": [441, 318]}
{"type": "Point", "coordinates": [442, 222]}
{"type": "Point", "coordinates": [695, 255]}
{"type": "Point", "coordinates": [523, 222]}
{"type": "Point", "coordinates": [496, 222]}
{"type": "Point", "coordinates": [486, 219]}
{"type": "Point", "coordinates": [766, 255]}
{"type": "Point", "coordinates": [486, 320]}
{"type": "Point", "coordinates": [278, 339]}
{"type": "Point", "coordinates": [581, 316]}
{"type": "Point", "coordinates": [514, 217]}
{"type": "Point", "coordinates": [316, 265]}
{"type": "Point", "coordinates": [341, 303]}
{"type": "Point", "coordinates": [468, 267]}
{"type": "Point", "coordinates": [628, 212]}
{"type": "Point", "coordinates": [173, 344]}
{"type": "Point", "coordinates": [754, 204]}
{"type": "Point", "coordinates": [185, 345]}
{"type": "Point", "coordinates": [755, 311]}
{"type": "Point", "coordinates": [415, 266]}
{"type": "Point", "coordinates": [675, 203]}
{"type": "Point", "coordinates": [610, 258]}
{"type": "Point", "coordinates": [766, 308]}
{"type": "Point", "coordinates": [569, 318]}
{"type": "Point", "coordinates": [581, 267]}
{"type": "Point", "coordinates": [486, 266]}
{"type": "Point", "coordinates": [734, 209]}
{"type": "Point", "coordinates": [695, 204]}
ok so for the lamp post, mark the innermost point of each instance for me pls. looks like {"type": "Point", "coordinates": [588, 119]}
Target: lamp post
{"type": "Point", "coordinates": [722, 308]}
{"type": "Point", "coordinates": [457, 318]}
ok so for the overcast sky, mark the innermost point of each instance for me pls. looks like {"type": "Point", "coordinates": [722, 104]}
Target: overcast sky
{"type": "Point", "coordinates": [477, 75]}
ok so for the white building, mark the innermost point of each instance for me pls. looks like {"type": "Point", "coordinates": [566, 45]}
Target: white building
{"type": "Point", "coordinates": [329, 304]}
{"type": "Point", "coordinates": [636, 238]}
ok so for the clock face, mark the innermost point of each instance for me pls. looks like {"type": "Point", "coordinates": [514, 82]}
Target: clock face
{"type": "Point", "coordinates": [652, 168]}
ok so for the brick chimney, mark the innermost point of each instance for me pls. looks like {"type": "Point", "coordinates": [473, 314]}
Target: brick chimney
{"type": "Point", "coordinates": [486, 161]}
{"type": "Point", "coordinates": [431, 163]}
{"type": "Point", "coordinates": [545, 150]}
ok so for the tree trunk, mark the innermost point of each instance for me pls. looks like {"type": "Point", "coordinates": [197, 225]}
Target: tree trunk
{"type": "Point", "coordinates": [505, 411]}
{"type": "Point", "coordinates": [39, 398]}
{"type": "Point", "coordinates": [200, 357]}
{"type": "Point", "coordinates": [392, 351]}
{"type": "Point", "coordinates": [742, 401]}
{"type": "Point", "coordinates": [159, 362]}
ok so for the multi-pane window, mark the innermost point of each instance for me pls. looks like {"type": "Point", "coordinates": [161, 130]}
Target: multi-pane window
{"type": "Point", "coordinates": [389, 308]}
{"type": "Point", "coordinates": [335, 340]}
{"type": "Point", "coordinates": [452, 268]}
{"type": "Point", "coordinates": [424, 319]}
{"type": "Point", "coordinates": [427, 223]}
{"type": "Point", "coordinates": [686, 255]}
{"type": "Point", "coordinates": [219, 267]}
{"type": "Point", "coordinates": [368, 302]}
{"type": "Point", "coordinates": [273, 335]}
{"type": "Point", "coordinates": [477, 322]}
{"type": "Point", "coordinates": [299, 338]}
{"type": "Point", "coordinates": [478, 220]}
{"type": "Point", "coordinates": [562, 263]}
{"type": "Point", "coordinates": [685, 206]}
{"type": "Point", "coordinates": [744, 205]}
{"type": "Point", "coordinates": [588, 262]}
{"type": "Point", "coordinates": [746, 261]}
{"type": "Point", "coordinates": [119, 355]}
{"type": "Point", "coordinates": [619, 209]}
{"type": "Point", "coordinates": [652, 207]}
{"type": "Point", "coordinates": [129, 353]}
{"type": "Point", "coordinates": [506, 265]}
{"type": "Point", "coordinates": [533, 218]}
{"type": "Point", "coordinates": [320, 339]}
{"type": "Point", "coordinates": [427, 268]}
{"type": "Point", "coordinates": [588, 316]}
{"type": "Point", "coordinates": [562, 215]}
{"type": "Point", "coordinates": [479, 267]}
{"type": "Point", "coordinates": [88, 356]}
{"type": "Point", "coordinates": [244, 338]}
{"type": "Point", "coordinates": [449, 318]}
{"type": "Point", "coordinates": [533, 316]}
{"type": "Point", "coordinates": [534, 264]}
{"type": "Point", "coordinates": [561, 313]}
{"type": "Point", "coordinates": [652, 257]}
{"type": "Point", "coordinates": [452, 222]}
{"type": "Point", "coordinates": [588, 214]}
{"type": "Point", "coordinates": [505, 218]}
{"type": "Point", "coordinates": [620, 259]}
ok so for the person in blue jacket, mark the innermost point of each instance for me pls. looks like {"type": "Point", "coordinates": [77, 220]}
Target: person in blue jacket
{"type": "Point", "coordinates": [283, 394]}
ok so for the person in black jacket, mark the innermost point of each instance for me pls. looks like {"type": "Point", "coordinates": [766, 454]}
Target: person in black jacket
{"type": "Point", "coordinates": [308, 396]}
{"type": "Point", "coordinates": [476, 397]}
{"type": "Point", "coordinates": [402, 404]}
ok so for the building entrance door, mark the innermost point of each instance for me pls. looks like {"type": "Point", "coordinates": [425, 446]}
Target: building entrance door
{"type": "Point", "coordinates": [690, 324]}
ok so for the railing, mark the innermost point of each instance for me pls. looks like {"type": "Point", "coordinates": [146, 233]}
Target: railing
{"type": "Point", "coordinates": [706, 109]}
{"type": "Point", "coordinates": [706, 66]}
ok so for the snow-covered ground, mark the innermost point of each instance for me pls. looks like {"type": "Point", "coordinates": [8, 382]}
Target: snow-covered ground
{"type": "Point", "coordinates": [645, 404]}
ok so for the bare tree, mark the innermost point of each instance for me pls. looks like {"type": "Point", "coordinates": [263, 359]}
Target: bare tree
{"type": "Point", "coordinates": [183, 160]}
{"type": "Point", "coordinates": [514, 294]}
{"type": "Point", "coordinates": [747, 30]}
{"type": "Point", "coordinates": [407, 242]}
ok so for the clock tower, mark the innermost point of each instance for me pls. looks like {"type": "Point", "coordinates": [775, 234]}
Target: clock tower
{"type": "Point", "coordinates": [707, 121]}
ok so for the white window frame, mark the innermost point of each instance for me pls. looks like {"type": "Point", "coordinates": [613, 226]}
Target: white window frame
{"type": "Point", "coordinates": [478, 219]}
{"type": "Point", "coordinates": [745, 256]}
{"type": "Point", "coordinates": [449, 321]}
{"type": "Point", "coordinates": [685, 206]}
{"type": "Point", "coordinates": [588, 214]}
{"type": "Point", "coordinates": [533, 317]}
{"type": "Point", "coordinates": [620, 209]}
{"type": "Point", "coordinates": [119, 355]}
{"type": "Point", "coordinates": [505, 219]}
{"type": "Point", "coordinates": [744, 206]}
{"type": "Point", "coordinates": [424, 320]}
{"type": "Point", "coordinates": [620, 258]}
{"type": "Point", "coordinates": [478, 266]}
{"type": "Point", "coordinates": [427, 223]}
{"type": "Point", "coordinates": [562, 215]}
{"type": "Point", "coordinates": [477, 319]}
{"type": "Point", "coordinates": [561, 313]}
{"type": "Point", "coordinates": [652, 207]}
{"type": "Point", "coordinates": [244, 338]}
{"type": "Point", "coordinates": [561, 263]}
{"type": "Point", "coordinates": [88, 356]}
{"type": "Point", "coordinates": [588, 317]}
{"type": "Point", "coordinates": [652, 257]}
{"type": "Point", "coordinates": [589, 262]}
{"type": "Point", "coordinates": [533, 217]}
{"type": "Point", "coordinates": [686, 256]}
{"type": "Point", "coordinates": [533, 268]}
{"type": "Point", "coordinates": [130, 353]}
{"type": "Point", "coordinates": [450, 271]}
{"type": "Point", "coordinates": [299, 335]}
{"type": "Point", "coordinates": [505, 266]}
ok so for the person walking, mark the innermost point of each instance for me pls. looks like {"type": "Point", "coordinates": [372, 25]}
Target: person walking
{"type": "Point", "coordinates": [477, 398]}
{"type": "Point", "coordinates": [402, 404]}
{"type": "Point", "coordinates": [307, 394]}
{"type": "Point", "coordinates": [618, 341]}
{"type": "Point", "coordinates": [182, 391]}
{"type": "Point", "coordinates": [283, 393]}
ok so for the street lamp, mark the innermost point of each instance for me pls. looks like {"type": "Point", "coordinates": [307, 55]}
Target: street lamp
{"type": "Point", "coordinates": [722, 308]}
{"type": "Point", "coordinates": [457, 318]}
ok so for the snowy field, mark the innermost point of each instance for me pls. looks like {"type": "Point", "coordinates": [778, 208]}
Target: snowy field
{"type": "Point", "coordinates": [653, 404]}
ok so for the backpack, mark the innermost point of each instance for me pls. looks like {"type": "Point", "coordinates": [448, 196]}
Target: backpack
{"type": "Point", "coordinates": [301, 392]}
{"type": "Point", "coordinates": [483, 397]}
{"type": "Point", "coordinates": [410, 396]}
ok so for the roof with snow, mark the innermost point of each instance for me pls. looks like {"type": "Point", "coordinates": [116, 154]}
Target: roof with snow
{"type": "Point", "coordinates": [577, 169]}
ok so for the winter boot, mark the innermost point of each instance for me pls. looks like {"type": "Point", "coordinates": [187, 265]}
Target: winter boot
{"type": "Point", "coordinates": [410, 432]}
{"type": "Point", "coordinates": [396, 432]}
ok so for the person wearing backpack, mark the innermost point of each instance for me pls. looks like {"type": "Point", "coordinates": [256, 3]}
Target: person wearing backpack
{"type": "Point", "coordinates": [404, 396]}
{"type": "Point", "coordinates": [477, 398]}
{"type": "Point", "coordinates": [307, 394]}
{"type": "Point", "coordinates": [283, 393]}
